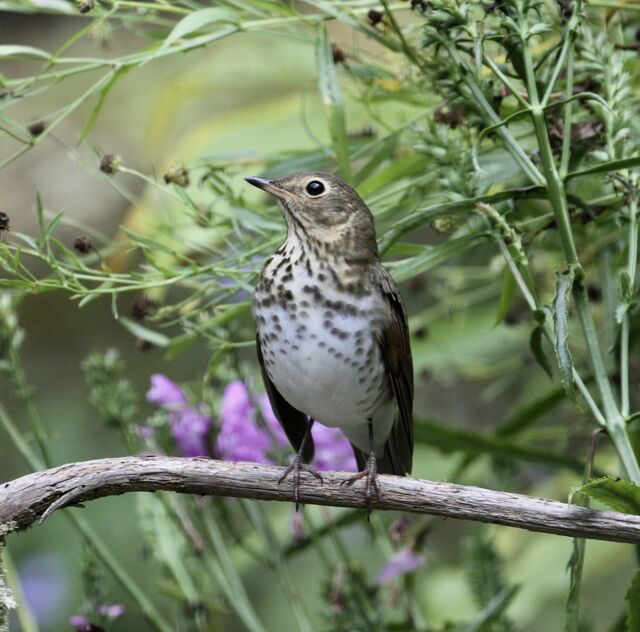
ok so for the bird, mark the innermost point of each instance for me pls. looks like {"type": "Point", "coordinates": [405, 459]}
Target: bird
{"type": "Point", "coordinates": [332, 335]}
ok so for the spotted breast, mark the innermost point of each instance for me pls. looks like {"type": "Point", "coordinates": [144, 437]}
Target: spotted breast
{"type": "Point", "coordinates": [316, 331]}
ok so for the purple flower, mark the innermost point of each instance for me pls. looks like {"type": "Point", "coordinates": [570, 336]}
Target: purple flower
{"type": "Point", "coordinates": [189, 429]}
{"type": "Point", "coordinates": [403, 562]}
{"type": "Point", "coordinates": [45, 584]}
{"type": "Point", "coordinates": [78, 622]}
{"type": "Point", "coordinates": [333, 450]}
{"type": "Point", "coordinates": [164, 392]}
{"type": "Point", "coordinates": [111, 611]}
{"type": "Point", "coordinates": [240, 439]}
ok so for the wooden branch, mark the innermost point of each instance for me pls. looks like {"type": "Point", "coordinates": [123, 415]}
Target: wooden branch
{"type": "Point", "coordinates": [33, 497]}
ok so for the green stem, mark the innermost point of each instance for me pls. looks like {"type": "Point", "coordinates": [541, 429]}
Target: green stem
{"type": "Point", "coordinates": [230, 581]}
{"type": "Point", "coordinates": [407, 49]}
{"type": "Point", "coordinates": [568, 112]}
{"type": "Point", "coordinates": [24, 393]}
{"type": "Point", "coordinates": [512, 146]}
{"type": "Point", "coordinates": [274, 553]}
{"type": "Point", "coordinates": [534, 305]}
{"type": "Point", "coordinates": [615, 423]}
{"type": "Point", "coordinates": [632, 262]}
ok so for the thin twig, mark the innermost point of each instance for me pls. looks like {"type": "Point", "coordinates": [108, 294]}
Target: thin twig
{"type": "Point", "coordinates": [35, 496]}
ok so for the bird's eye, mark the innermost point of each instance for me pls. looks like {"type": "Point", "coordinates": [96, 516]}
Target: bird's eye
{"type": "Point", "coordinates": [315, 188]}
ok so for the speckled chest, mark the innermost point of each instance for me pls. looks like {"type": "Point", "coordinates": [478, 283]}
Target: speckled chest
{"type": "Point", "coordinates": [317, 330]}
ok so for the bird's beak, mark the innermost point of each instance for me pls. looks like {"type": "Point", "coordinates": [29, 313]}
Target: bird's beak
{"type": "Point", "coordinates": [266, 184]}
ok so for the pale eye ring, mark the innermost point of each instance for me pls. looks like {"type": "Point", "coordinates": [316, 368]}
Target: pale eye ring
{"type": "Point", "coordinates": [315, 188]}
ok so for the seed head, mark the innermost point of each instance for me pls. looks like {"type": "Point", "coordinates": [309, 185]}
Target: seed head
{"type": "Point", "coordinates": [110, 163]}
{"type": "Point", "coordinates": [83, 244]}
{"type": "Point", "coordinates": [5, 222]}
{"type": "Point", "coordinates": [177, 174]}
{"type": "Point", "coordinates": [143, 307]}
{"type": "Point", "coordinates": [84, 6]}
{"type": "Point", "coordinates": [339, 56]}
{"type": "Point", "coordinates": [35, 129]}
{"type": "Point", "coordinates": [375, 17]}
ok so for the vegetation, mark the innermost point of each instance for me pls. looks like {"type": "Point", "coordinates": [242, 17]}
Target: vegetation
{"type": "Point", "coordinates": [496, 144]}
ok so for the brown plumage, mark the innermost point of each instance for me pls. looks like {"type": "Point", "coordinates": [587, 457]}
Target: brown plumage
{"type": "Point", "coordinates": [332, 335]}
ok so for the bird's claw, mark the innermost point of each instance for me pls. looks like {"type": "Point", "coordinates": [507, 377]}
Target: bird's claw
{"type": "Point", "coordinates": [372, 486]}
{"type": "Point", "coordinates": [297, 466]}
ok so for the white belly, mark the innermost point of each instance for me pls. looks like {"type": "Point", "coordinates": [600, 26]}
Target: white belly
{"type": "Point", "coordinates": [323, 357]}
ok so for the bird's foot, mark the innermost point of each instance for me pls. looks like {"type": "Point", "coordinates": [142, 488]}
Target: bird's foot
{"type": "Point", "coordinates": [297, 466]}
{"type": "Point", "coordinates": [372, 486]}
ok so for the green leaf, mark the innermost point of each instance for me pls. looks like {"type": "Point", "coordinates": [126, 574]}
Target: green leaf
{"type": "Point", "coordinates": [196, 21]}
{"type": "Point", "coordinates": [333, 105]}
{"type": "Point", "coordinates": [633, 599]}
{"type": "Point", "coordinates": [139, 331]}
{"type": "Point", "coordinates": [492, 615]}
{"type": "Point", "coordinates": [451, 439]}
{"type": "Point", "coordinates": [506, 296]}
{"type": "Point", "coordinates": [619, 494]}
{"type": "Point", "coordinates": [611, 165]}
{"type": "Point", "coordinates": [484, 567]}
{"type": "Point", "coordinates": [535, 344]}
{"type": "Point", "coordinates": [526, 414]}
{"type": "Point", "coordinates": [15, 50]}
{"type": "Point", "coordinates": [431, 256]}
{"type": "Point", "coordinates": [95, 112]}
{"type": "Point", "coordinates": [564, 282]}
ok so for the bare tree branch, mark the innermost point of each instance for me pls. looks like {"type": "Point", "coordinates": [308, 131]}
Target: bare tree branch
{"type": "Point", "coordinates": [33, 497]}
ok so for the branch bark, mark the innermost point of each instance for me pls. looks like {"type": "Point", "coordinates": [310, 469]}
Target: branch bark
{"type": "Point", "coordinates": [33, 497]}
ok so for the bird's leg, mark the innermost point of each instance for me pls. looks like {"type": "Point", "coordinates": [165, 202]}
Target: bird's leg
{"type": "Point", "coordinates": [298, 465]}
{"type": "Point", "coordinates": [370, 471]}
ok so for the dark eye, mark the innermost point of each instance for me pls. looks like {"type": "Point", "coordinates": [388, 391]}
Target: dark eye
{"type": "Point", "coordinates": [315, 187]}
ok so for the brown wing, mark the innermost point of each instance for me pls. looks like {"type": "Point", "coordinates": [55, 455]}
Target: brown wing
{"type": "Point", "coordinates": [291, 419]}
{"type": "Point", "coordinates": [396, 353]}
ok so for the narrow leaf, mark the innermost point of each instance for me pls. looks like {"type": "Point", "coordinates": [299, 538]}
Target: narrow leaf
{"type": "Point", "coordinates": [451, 439]}
{"type": "Point", "coordinates": [611, 165]}
{"type": "Point", "coordinates": [333, 105]}
{"type": "Point", "coordinates": [564, 282]}
{"type": "Point", "coordinates": [506, 296]}
{"type": "Point", "coordinates": [619, 494]}
{"type": "Point", "coordinates": [196, 21]}
{"type": "Point", "coordinates": [93, 116]}
{"type": "Point", "coordinates": [139, 331]}
{"type": "Point", "coordinates": [431, 256]}
{"type": "Point", "coordinates": [15, 50]}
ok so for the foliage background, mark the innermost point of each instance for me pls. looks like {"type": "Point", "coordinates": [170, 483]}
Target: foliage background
{"type": "Point", "coordinates": [268, 99]}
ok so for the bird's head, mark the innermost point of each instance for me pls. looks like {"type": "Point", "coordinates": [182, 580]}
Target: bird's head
{"type": "Point", "coordinates": [322, 208]}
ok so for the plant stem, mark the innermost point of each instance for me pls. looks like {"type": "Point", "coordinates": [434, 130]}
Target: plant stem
{"type": "Point", "coordinates": [24, 393]}
{"type": "Point", "coordinates": [512, 146]}
{"type": "Point", "coordinates": [615, 422]}
{"type": "Point", "coordinates": [230, 581]}
{"type": "Point", "coordinates": [632, 262]}
{"type": "Point", "coordinates": [278, 563]}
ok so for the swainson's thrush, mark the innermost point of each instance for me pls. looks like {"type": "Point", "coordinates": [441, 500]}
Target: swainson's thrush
{"type": "Point", "coordinates": [332, 333]}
